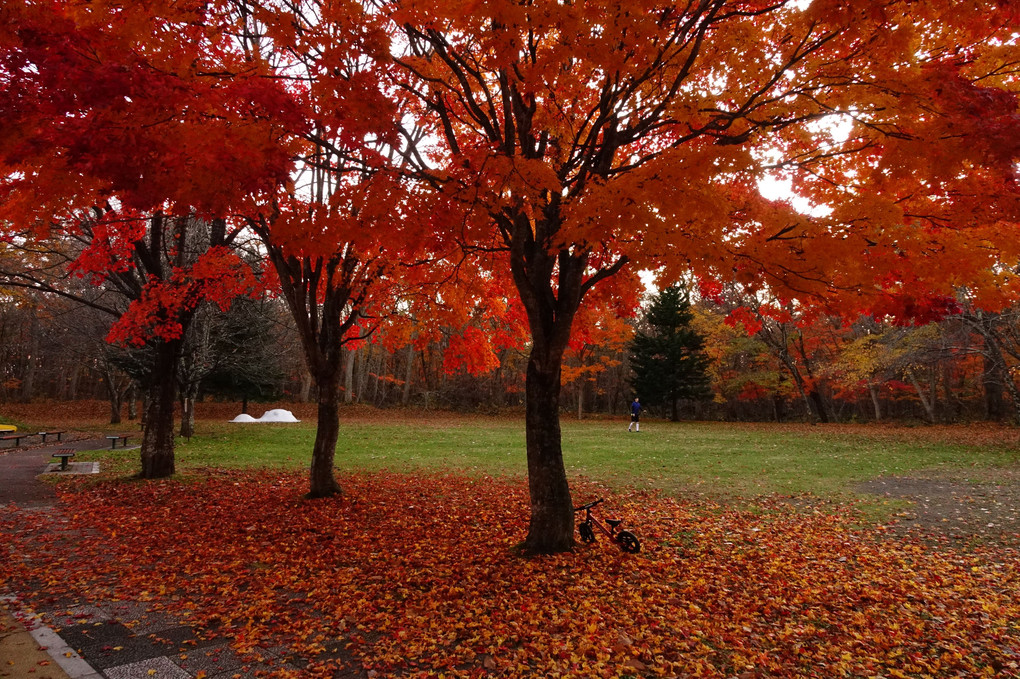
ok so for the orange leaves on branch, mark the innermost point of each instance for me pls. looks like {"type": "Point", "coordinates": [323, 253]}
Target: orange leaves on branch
{"type": "Point", "coordinates": [145, 102]}
{"type": "Point", "coordinates": [415, 576]}
{"type": "Point", "coordinates": [111, 247]}
{"type": "Point", "coordinates": [472, 351]}
{"type": "Point", "coordinates": [218, 276]}
{"type": "Point", "coordinates": [744, 317]}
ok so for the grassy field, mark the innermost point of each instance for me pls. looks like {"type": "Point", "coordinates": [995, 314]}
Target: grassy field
{"type": "Point", "coordinates": [711, 458]}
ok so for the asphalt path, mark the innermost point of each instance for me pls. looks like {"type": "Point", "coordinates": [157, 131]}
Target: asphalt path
{"type": "Point", "coordinates": [99, 639]}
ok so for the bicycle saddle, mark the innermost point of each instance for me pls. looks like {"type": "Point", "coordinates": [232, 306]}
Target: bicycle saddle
{"type": "Point", "coordinates": [614, 522]}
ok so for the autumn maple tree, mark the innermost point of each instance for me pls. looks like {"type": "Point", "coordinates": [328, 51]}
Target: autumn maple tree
{"type": "Point", "coordinates": [584, 139]}
{"type": "Point", "coordinates": [253, 117]}
{"type": "Point", "coordinates": [344, 233]}
{"type": "Point", "coordinates": [122, 126]}
{"type": "Point", "coordinates": [149, 275]}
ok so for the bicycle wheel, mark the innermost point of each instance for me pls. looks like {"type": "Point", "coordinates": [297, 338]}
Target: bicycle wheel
{"type": "Point", "coordinates": [587, 534]}
{"type": "Point", "coordinates": [628, 542]}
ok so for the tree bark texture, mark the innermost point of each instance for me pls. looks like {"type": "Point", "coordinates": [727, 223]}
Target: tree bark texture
{"type": "Point", "coordinates": [157, 451]}
{"type": "Point", "coordinates": [551, 528]}
{"type": "Point", "coordinates": [188, 413]}
{"type": "Point", "coordinates": [929, 405]}
{"type": "Point", "coordinates": [875, 401]}
{"type": "Point", "coordinates": [114, 406]}
{"type": "Point", "coordinates": [991, 381]}
{"type": "Point", "coordinates": [32, 357]}
{"type": "Point", "coordinates": [132, 401]}
{"type": "Point", "coordinates": [348, 376]}
{"type": "Point", "coordinates": [322, 482]}
{"type": "Point", "coordinates": [550, 317]}
{"type": "Point", "coordinates": [819, 404]}
{"type": "Point", "coordinates": [993, 349]}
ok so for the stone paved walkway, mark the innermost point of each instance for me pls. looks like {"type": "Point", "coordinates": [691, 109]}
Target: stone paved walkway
{"type": "Point", "coordinates": [104, 639]}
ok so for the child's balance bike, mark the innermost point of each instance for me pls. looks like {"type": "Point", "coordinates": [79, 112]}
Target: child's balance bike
{"type": "Point", "coordinates": [627, 541]}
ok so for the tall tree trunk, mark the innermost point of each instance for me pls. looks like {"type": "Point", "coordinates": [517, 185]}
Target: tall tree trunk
{"type": "Point", "coordinates": [799, 383]}
{"type": "Point", "coordinates": [348, 376]}
{"type": "Point", "coordinates": [816, 399]}
{"type": "Point", "coordinates": [993, 348]}
{"type": "Point", "coordinates": [305, 394]}
{"type": "Point", "coordinates": [375, 361]}
{"type": "Point", "coordinates": [929, 407]}
{"type": "Point", "coordinates": [115, 403]}
{"type": "Point", "coordinates": [949, 397]}
{"type": "Point", "coordinates": [72, 385]}
{"type": "Point", "coordinates": [580, 398]}
{"type": "Point", "coordinates": [132, 400]}
{"type": "Point", "coordinates": [188, 411]}
{"type": "Point", "coordinates": [873, 390]}
{"type": "Point", "coordinates": [113, 392]}
{"type": "Point", "coordinates": [322, 482]}
{"type": "Point", "coordinates": [31, 356]}
{"type": "Point", "coordinates": [991, 380]}
{"type": "Point", "coordinates": [552, 514]}
{"type": "Point", "coordinates": [550, 317]}
{"type": "Point", "coordinates": [157, 451]}
{"type": "Point", "coordinates": [362, 373]}
{"type": "Point", "coordinates": [779, 407]}
{"type": "Point", "coordinates": [405, 397]}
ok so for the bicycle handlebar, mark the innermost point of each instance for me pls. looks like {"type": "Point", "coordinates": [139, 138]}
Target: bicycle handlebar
{"type": "Point", "coordinates": [588, 506]}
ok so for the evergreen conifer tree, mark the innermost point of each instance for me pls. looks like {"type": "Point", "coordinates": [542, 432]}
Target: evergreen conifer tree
{"type": "Point", "coordinates": [666, 354]}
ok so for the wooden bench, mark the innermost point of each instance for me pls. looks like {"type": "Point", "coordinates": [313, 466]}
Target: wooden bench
{"type": "Point", "coordinates": [118, 437]}
{"type": "Point", "coordinates": [56, 432]}
{"type": "Point", "coordinates": [16, 438]}
{"type": "Point", "coordinates": [64, 454]}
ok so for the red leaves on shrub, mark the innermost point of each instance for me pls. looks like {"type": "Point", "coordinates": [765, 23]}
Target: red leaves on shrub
{"type": "Point", "coordinates": [416, 576]}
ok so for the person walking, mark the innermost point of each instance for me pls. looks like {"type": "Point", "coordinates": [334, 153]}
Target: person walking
{"type": "Point", "coordinates": [635, 415]}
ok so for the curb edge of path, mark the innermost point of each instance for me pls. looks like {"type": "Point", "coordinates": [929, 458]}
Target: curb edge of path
{"type": "Point", "coordinates": [72, 664]}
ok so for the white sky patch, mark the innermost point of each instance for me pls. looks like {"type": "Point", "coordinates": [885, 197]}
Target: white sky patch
{"type": "Point", "coordinates": [833, 130]}
{"type": "Point", "coordinates": [780, 188]}
{"type": "Point", "coordinates": [648, 281]}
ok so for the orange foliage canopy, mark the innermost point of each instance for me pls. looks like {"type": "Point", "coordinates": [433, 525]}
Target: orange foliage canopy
{"type": "Point", "coordinates": [641, 131]}
{"type": "Point", "coordinates": [142, 102]}
{"type": "Point", "coordinates": [412, 575]}
{"type": "Point", "coordinates": [582, 139]}
{"type": "Point", "coordinates": [119, 117]}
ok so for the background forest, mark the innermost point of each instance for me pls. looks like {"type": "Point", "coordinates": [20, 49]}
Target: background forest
{"type": "Point", "coordinates": [808, 368]}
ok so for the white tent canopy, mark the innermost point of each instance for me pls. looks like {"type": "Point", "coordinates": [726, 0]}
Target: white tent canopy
{"type": "Point", "coordinates": [275, 415]}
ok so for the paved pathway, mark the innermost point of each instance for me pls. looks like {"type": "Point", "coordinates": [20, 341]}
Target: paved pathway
{"type": "Point", "coordinates": [98, 639]}
{"type": "Point", "coordinates": [18, 472]}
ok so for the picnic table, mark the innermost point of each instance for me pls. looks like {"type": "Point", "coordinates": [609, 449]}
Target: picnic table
{"type": "Point", "coordinates": [113, 438]}
{"type": "Point", "coordinates": [64, 454]}
{"type": "Point", "coordinates": [15, 437]}
{"type": "Point", "coordinates": [56, 432]}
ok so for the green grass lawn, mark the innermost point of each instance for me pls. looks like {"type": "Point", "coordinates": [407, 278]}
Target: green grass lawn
{"type": "Point", "coordinates": [713, 458]}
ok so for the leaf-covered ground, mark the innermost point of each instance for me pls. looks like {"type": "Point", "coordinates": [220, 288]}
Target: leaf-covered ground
{"type": "Point", "coordinates": [416, 576]}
